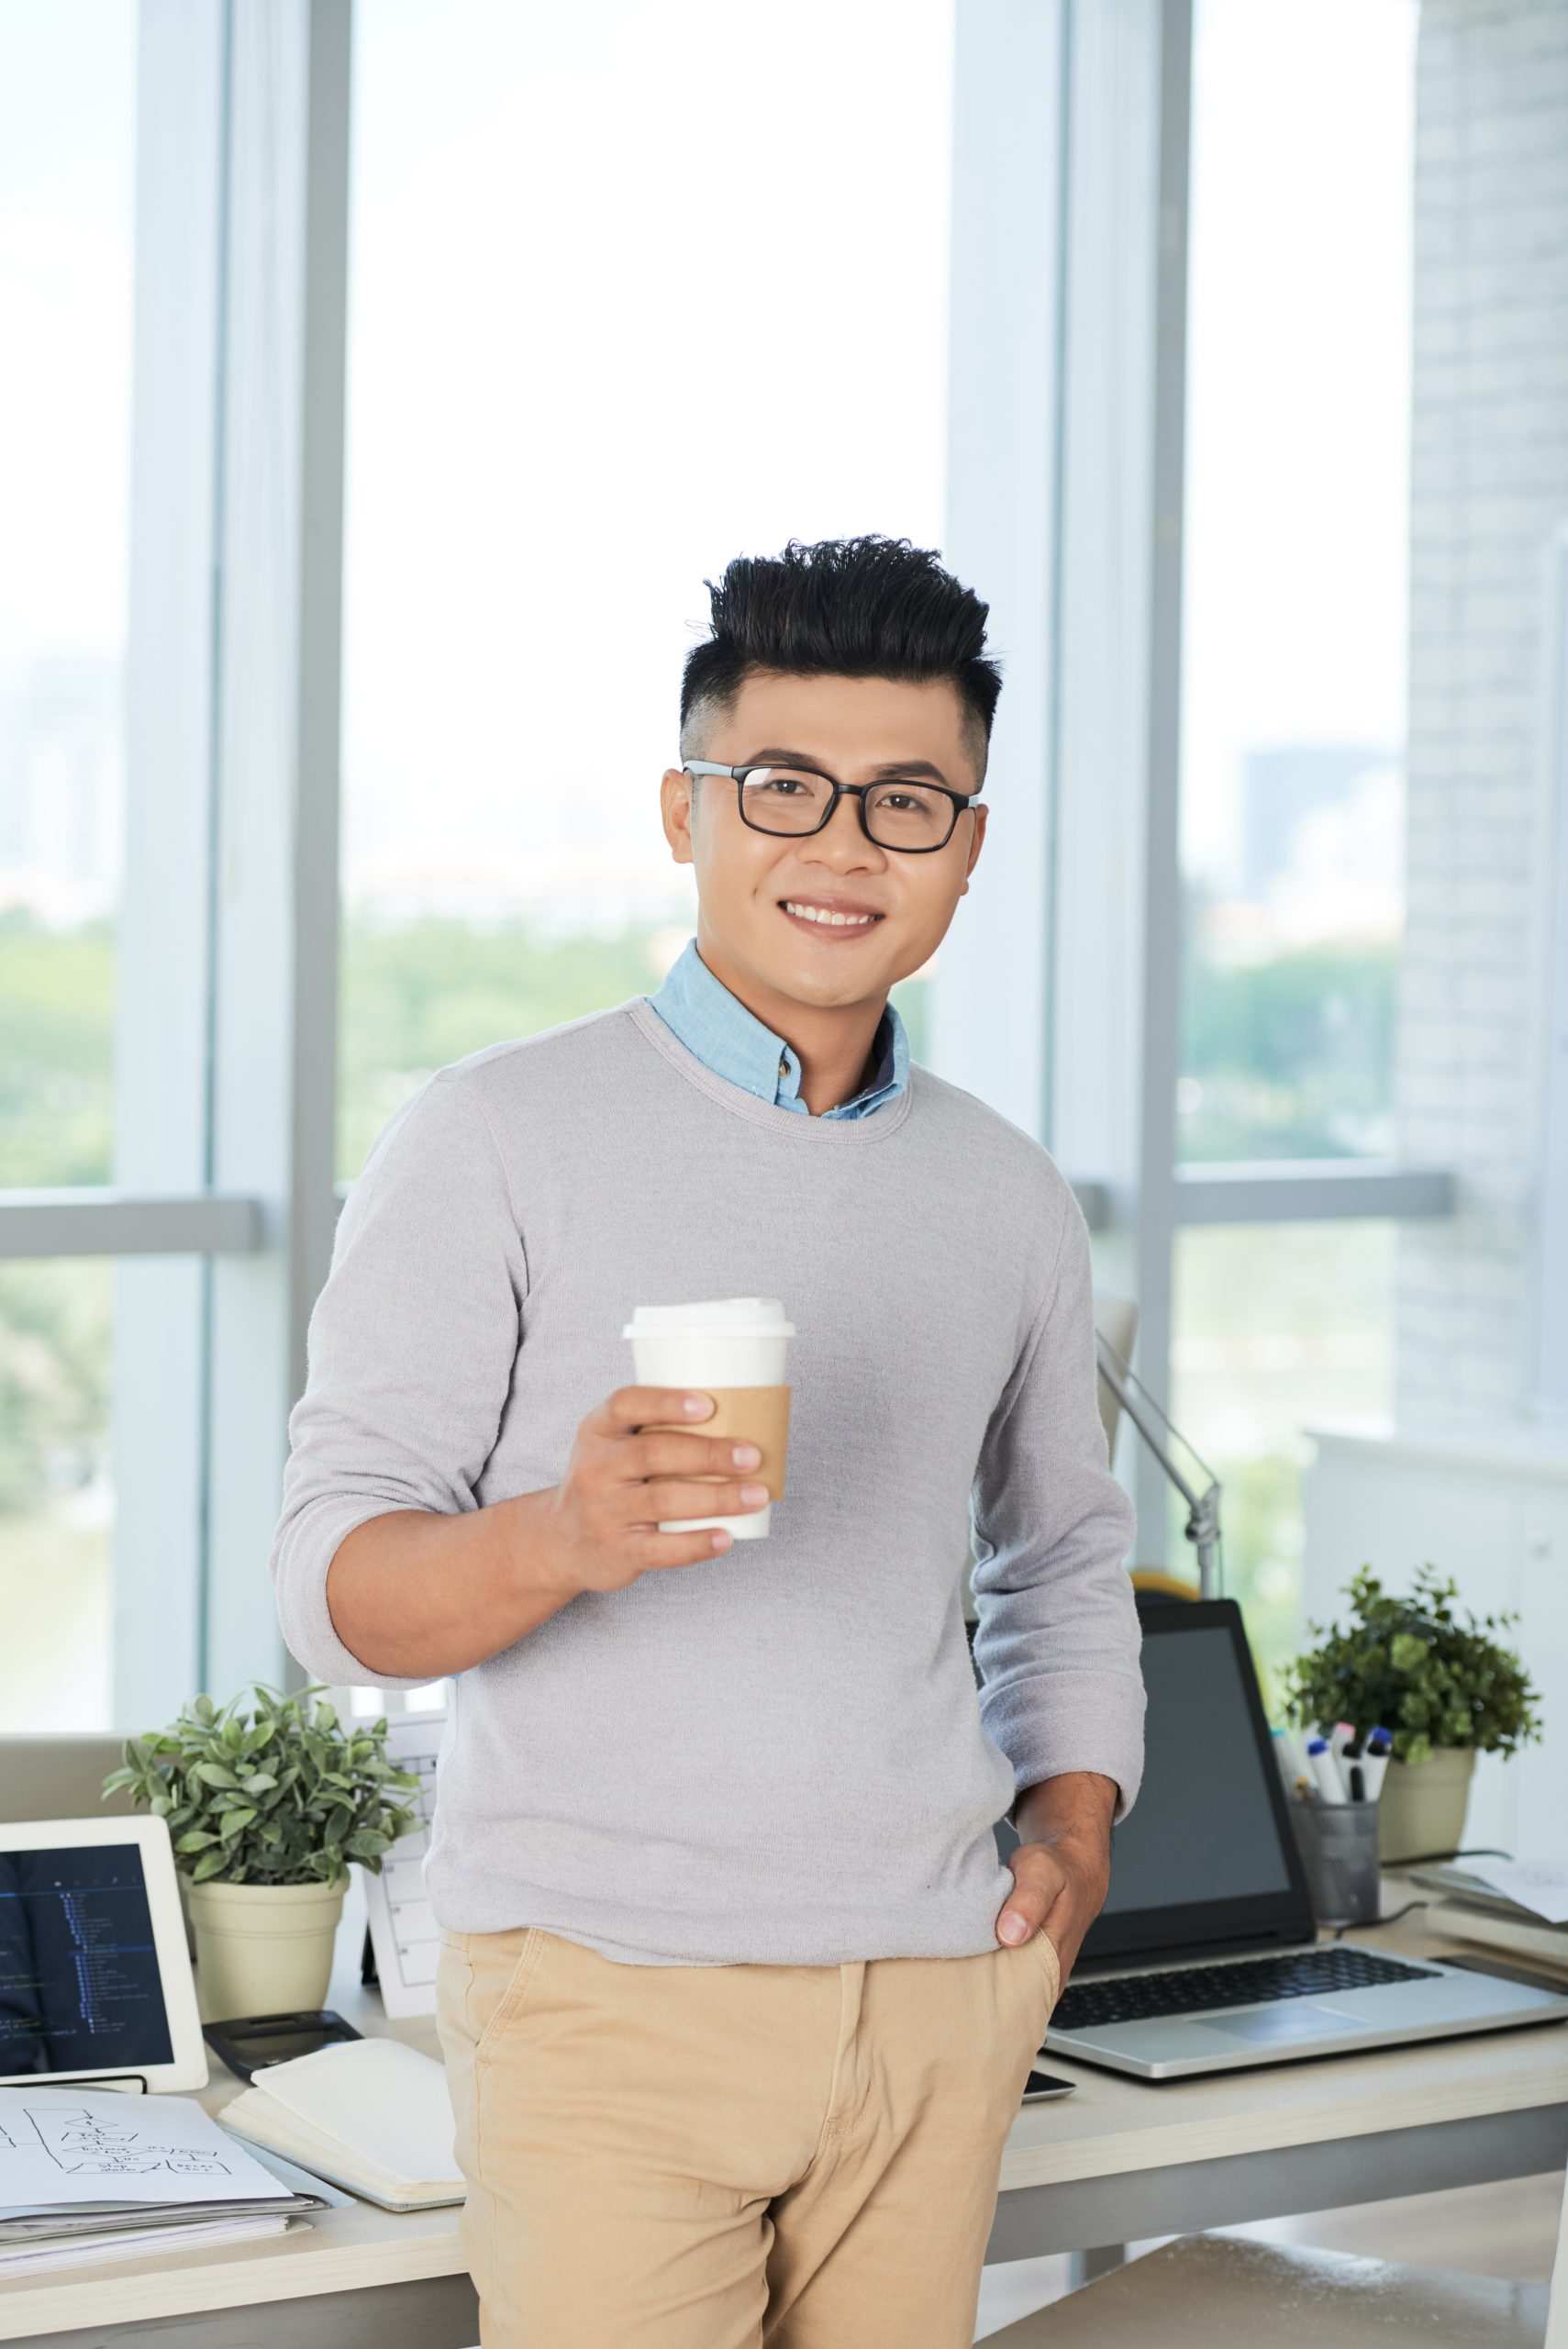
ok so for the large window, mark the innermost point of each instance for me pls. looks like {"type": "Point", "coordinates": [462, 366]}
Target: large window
{"type": "Point", "coordinates": [67, 97]}
{"type": "Point", "coordinates": [1295, 602]}
{"type": "Point", "coordinates": [633, 289]}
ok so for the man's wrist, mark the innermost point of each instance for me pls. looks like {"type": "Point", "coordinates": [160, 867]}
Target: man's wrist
{"type": "Point", "coordinates": [529, 1552]}
{"type": "Point", "coordinates": [1074, 1809]}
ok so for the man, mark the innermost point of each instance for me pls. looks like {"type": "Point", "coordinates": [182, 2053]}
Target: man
{"type": "Point", "coordinates": [738, 1997]}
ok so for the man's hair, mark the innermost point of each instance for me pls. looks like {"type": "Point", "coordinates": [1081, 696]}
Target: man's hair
{"type": "Point", "coordinates": [845, 607]}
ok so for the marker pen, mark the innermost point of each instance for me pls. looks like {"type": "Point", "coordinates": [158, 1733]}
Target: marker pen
{"type": "Point", "coordinates": [1288, 1755]}
{"type": "Point", "coordinates": [1326, 1770]}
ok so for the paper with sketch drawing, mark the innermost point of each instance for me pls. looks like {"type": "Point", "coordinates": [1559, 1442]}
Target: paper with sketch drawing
{"type": "Point", "coordinates": [62, 2147]}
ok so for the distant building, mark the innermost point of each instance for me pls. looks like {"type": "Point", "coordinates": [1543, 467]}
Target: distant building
{"type": "Point", "coordinates": [1283, 789]}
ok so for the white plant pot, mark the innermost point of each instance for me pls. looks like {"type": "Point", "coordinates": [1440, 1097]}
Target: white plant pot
{"type": "Point", "coordinates": [262, 1949]}
{"type": "Point", "coordinates": [1422, 1805]}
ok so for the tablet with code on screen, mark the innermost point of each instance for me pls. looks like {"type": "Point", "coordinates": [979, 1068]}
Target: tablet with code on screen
{"type": "Point", "coordinates": [94, 1974]}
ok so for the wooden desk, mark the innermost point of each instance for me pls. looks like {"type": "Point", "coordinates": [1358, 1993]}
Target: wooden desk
{"type": "Point", "coordinates": [1121, 2160]}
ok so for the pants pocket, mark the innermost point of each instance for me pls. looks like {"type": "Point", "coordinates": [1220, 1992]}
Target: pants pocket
{"type": "Point", "coordinates": [1051, 1961]}
{"type": "Point", "coordinates": [490, 1975]}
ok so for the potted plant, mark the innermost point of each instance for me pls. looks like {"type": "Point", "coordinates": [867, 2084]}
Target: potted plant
{"type": "Point", "coordinates": [266, 1810]}
{"type": "Point", "coordinates": [1444, 1690]}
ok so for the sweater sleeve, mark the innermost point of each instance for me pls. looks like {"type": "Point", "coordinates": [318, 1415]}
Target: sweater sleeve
{"type": "Point", "coordinates": [1057, 1637]}
{"type": "Point", "coordinates": [410, 1353]}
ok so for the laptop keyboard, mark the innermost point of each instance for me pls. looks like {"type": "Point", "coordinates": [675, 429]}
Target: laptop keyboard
{"type": "Point", "coordinates": [1198, 1990]}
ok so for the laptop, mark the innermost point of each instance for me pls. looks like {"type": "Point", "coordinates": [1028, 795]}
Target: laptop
{"type": "Point", "coordinates": [1204, 1957]}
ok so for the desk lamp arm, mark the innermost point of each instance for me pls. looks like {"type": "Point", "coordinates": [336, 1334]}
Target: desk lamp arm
{"type": "Point", "coordinates": [1203, 1509]}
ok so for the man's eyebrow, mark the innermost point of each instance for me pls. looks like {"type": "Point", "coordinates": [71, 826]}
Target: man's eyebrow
{"type": "Point", "coordinates": [915, 767]}
{"type": "Point", "coordinates": [776, 755]}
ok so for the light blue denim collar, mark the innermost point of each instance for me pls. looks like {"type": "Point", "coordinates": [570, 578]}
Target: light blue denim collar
{"type": "Point", "coordinates": [716, 1024]}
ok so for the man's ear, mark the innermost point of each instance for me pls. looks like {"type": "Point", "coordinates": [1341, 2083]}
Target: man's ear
{"type": "Point", "coordinates": [981, 812]}
{"type": "Point", "coordinates": [675, 810]}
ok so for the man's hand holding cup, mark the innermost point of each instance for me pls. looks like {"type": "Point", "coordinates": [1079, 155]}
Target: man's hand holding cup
{"type": "Point", "coordinates": [628, 1468]}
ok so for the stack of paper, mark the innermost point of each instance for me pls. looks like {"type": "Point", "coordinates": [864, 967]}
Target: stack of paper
{"type": "Point", "coordinates": [370, 2114]}
{"type": "Point", "coordinates": [92, 2174]}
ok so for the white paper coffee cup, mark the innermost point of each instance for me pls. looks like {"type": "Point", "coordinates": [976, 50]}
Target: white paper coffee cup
{"type": "Point", "coordinates": [719, 1345]}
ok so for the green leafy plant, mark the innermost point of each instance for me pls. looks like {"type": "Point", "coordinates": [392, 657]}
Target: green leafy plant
{"type": "Point", "coordinates": [283, 1794]}
{"type": "Point", "coordinates": [1410, 1665]}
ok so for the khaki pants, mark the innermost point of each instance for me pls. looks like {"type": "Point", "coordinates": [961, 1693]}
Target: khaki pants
{"type": "Point", "coordinates": [732, 2156]}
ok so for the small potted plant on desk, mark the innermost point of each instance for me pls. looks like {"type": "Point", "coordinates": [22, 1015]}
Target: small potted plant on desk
{"type": "Point", "coordinates": [266, 1810]}
{"type": "Point", "coordinates": [1444, 1691]}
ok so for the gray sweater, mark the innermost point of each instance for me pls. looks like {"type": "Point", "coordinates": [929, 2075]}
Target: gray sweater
{"type": "Point", "coordinates": [779, 1755]}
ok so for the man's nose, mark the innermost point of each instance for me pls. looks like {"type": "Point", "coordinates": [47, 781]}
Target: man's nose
{"type": "Point", "coordinates": [844, 823]}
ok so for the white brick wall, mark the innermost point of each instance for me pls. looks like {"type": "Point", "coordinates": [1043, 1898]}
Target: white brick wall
{"type": "Point", "coordinates": [1489, 482]}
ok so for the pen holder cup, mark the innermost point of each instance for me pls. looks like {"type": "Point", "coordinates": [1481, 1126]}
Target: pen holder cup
{"type": "Point", "coordinates": [1338, 1842]}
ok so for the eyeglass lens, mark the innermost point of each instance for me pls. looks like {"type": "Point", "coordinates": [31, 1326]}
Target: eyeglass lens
{"type": "Point", "coordinates": [898, 814]}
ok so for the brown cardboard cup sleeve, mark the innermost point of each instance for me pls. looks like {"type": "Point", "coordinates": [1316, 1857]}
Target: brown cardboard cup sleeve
{"type": "Point", "coordinates": [758, 1415]}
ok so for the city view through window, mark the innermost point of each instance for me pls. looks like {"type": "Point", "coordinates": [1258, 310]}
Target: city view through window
{"type": "Point", "coordinates": [1295, 605]}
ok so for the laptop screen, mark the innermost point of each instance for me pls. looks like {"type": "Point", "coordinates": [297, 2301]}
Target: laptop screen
{"type": "Point", "coordinates": [1206, 1858]}
{"type": "Point", "coordinates": [1203, 1827]}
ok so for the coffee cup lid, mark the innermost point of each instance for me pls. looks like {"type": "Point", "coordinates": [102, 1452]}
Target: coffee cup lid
{"type": "Point", "coordinates": [724, 1317]}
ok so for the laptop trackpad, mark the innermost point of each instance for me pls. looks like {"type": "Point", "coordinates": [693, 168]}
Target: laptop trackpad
{"type": "Point", "coordinates": [1298, 2020]}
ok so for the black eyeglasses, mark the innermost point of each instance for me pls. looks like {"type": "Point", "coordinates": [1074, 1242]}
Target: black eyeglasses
{"type": "Point", "coordinates": [913, 817]}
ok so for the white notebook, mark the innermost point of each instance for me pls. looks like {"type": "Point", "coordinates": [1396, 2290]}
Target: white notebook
{"type": "Point", "coordinates": [370, 2114]}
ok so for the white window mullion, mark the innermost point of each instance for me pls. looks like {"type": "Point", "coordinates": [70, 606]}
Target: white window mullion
{"type": "Point", "coordinates": [991, 996]}
{"type": "Point", "coordinates": [160, 1109]}
{"type": "Point", "coordinates": [275, 1060]}
{"type": "Point", "coordinates": [1118, 886]}
{"type": "Point", "coordinates": [1548, 1368]}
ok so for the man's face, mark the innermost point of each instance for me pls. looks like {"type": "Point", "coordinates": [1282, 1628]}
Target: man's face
{"type": "Point", "coordinates": [856, 729]}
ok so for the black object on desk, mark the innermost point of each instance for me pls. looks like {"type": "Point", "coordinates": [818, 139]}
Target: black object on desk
{"type": "Point", "coordinates": [1041, 2086]}
{"type": "Point", "coordinates": [249, 2044]}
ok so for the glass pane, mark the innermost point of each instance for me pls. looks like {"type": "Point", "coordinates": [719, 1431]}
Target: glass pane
{"type": "Point", "coordinates": [583, 372]}
{"type": "Point", "coordinates": [1297, 501]}
{"type": "Point", "coordinates": [56, 1506]}
{"type": "Point", "coordinates": [67, 97]}
{"type": "Point", "coordinates": [1279, 1326]}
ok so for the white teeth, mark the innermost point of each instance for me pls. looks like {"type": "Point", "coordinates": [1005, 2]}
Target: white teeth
{"type": "Point", "coordinates": [836, 921]}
